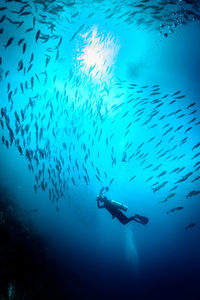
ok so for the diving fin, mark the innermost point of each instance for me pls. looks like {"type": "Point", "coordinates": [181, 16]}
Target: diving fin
{"type": "Point", "coordinates": [141, 219]}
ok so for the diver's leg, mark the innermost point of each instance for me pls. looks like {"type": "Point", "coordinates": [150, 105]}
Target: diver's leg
{"type": "Point", "coordinates": [133, 219]}
{"type": "Point", "coordinates": [121, 217]}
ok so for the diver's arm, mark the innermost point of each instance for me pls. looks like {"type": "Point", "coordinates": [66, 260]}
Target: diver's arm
{"type": "Point", "coordinates": [98, 204]}
{"type": "Point", "coordinates": [101, 191]}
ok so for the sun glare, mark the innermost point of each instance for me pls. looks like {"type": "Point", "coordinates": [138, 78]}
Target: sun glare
{"type": "Point", "coordinates": [98, 54]}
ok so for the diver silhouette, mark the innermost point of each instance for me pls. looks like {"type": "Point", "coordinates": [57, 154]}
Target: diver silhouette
{"type": "Point", "coordinates": [115, 208]}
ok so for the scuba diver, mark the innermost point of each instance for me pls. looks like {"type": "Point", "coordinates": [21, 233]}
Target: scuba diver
{"type": "Point", "coordinates": [115, 208]}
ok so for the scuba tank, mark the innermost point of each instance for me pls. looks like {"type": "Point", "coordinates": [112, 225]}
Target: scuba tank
{"type": "Point", "coordinates": [114, 203]}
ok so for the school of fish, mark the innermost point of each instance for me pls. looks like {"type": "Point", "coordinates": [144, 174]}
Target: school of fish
{"type": "Point", "coordinates": [66, 133]}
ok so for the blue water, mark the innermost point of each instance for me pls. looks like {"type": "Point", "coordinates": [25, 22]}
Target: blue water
{"type": "Point", "coordinates": [75, 93]}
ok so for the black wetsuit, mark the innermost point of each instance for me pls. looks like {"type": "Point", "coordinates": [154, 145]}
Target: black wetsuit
{"type": "Point", "coordinates": [116, 212]}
